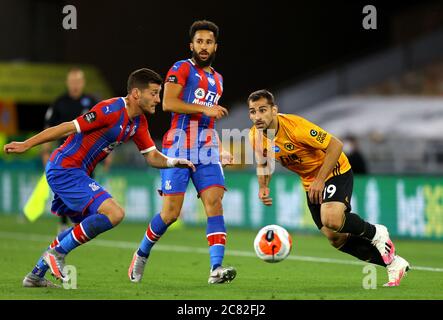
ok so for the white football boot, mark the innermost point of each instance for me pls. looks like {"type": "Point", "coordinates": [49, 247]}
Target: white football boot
{"type": "Point", "coordinates": [222, 275]}
{"type": "Point", "coordinates": [137, 267]}
{"type": "Point", "coordinates": [33, 281]}
{"type": "Point", "coordinates": [56, 262]}
{"type": "Point", "coordinates": [396, 271]}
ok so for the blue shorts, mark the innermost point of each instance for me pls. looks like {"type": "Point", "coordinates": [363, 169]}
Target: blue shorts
{"type": "Point", "coordinates": [175, 180]}
{"type": "Point", "coordinates": [76, 194]}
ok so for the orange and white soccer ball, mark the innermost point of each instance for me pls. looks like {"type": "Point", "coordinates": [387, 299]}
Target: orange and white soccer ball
{"type": "Point", "coordinates": [273, 243]}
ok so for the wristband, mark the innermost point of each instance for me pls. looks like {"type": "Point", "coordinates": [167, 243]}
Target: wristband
{"type": "Point", "coordinates": [171, 162]}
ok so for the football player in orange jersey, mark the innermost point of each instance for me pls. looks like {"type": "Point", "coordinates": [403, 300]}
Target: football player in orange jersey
{"type": "Point", "coordinates": [317, 157]}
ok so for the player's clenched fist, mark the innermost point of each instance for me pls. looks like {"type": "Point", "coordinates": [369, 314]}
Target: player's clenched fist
{"type": "Point", "coordinates": [226, 158]}
{"type": "Point", "coordinates": [315, 191]}
{"type": "Point", "coordinates": [263, 195]}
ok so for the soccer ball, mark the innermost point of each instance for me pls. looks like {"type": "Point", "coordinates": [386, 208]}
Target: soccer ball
{"type": "Point", "coordinates": [273, 243]}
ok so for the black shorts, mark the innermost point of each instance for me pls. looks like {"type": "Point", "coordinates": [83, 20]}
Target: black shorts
{"type": "Point", "coordinates": [338, 188]}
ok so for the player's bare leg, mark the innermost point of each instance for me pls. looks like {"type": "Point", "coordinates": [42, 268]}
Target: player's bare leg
{"type": "Point", "coordinates": [112, 210]}
{"type": "Point", "coordinates": [172, 205]}
{"type": "Point", "coordinates": [332, 214]}
{"type": "Point", "coordinates": [216, 235]}
{"type": "Point", "coordinates": [337, 240]}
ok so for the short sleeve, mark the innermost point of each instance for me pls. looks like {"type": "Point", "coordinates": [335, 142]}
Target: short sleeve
{"type": "Point", "coordinates": [178, 73]}
{"type": "Point", "coordinates": [310, 134]}
{"type": "Point", "coordinates": [142, 137]}
{"type": "Point", "coordinates": [95, 119]}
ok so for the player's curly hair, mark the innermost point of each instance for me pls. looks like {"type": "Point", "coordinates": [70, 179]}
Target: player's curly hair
{"type": "Point", "coordinates": [141, 78]}
{"type": "Point", "coordinates": [257, 95]}
{"type": "Point", "coordinates": [203, 25]}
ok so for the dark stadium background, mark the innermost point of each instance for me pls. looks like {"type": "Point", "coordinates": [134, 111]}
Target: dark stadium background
{"type": "Point", "coordinates": [261, 44]}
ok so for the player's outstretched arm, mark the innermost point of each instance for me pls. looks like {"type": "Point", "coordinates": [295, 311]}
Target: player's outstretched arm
{"type": "Point", "coordinates": [157, 159]}
{"type": "Point", "coordinates": [53, 133]}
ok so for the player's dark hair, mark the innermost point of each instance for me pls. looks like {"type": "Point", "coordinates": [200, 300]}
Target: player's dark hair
{"type": "Point", "coordinates": [203, 25]}
{"type": "Point", "coordinates": [141, 78]}
{"type": "Point", "coordinates": [75, 69]}
{"type": "Point", "coordinates": [257, 95]}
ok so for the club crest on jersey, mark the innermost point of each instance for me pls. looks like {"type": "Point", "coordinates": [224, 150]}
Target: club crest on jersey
{"type": "Point", "coordinates": [289, 146]}
{"type": "Point", "coordinates": [90, 117]}
{"type": "Point", "coordinates": [93, 186]}
{"type": "Point", "coordinates": [211, 81]}
{"type": "Point", "coordinates": [199, 93]}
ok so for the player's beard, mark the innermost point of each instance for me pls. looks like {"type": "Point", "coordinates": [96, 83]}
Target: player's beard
{"type": "Point", "coordinates": [147, 107]}
{"type": "Point", "coordinates": [203, 63]}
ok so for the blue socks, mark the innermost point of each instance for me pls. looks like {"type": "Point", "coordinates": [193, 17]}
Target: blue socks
{"type": "Point", "coordinates": [216, 235]}
{"type": "Point", "coordinates": [88, 229]}
{"type": "Point", "coordinates": [155, 230]}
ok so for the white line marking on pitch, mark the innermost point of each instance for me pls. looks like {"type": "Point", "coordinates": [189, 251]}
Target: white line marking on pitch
{"type": "Point", "coordinates": [162, 247]}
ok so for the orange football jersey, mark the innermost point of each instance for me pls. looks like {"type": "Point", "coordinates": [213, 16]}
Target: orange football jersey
{"type": "Point", "coordinates": [299, 145]}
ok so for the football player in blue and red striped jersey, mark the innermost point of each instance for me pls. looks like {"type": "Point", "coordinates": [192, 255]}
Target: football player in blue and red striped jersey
{"type": "Point", "coordinates": [192, 93]}
{"type": "Point", "coordinates": [91, 138]}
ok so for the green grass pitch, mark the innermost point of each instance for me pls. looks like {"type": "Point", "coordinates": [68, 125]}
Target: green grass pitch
{"type": "Point", "coordinates": [179, 265]}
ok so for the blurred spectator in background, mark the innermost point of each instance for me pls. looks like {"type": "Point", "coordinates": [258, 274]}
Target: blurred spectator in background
{"type": "Point", "coordinates": [355, 157]}
{"type": "Point", "coordinates": [67, 107]}
{"type": "Point", "coordinates": [424, 81]}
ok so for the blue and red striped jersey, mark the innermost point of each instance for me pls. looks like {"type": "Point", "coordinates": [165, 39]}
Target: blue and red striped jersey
{"type": "Point", "coordinates": [198, 87]}
{"type": "Point", "coordinates": [99, 131]}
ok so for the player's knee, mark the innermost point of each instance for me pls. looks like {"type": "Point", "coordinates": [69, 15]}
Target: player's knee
{"type": "Point", "coordinates": [214, 205]}
{"type": "Point", "coordinates": [331, 219]}
{"type": "Point", "coordinates": [117, 215]}
{"type": "Point", "coordinates": [169, 219]}
{"type": "Point", "coordinates": [170, 215]}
